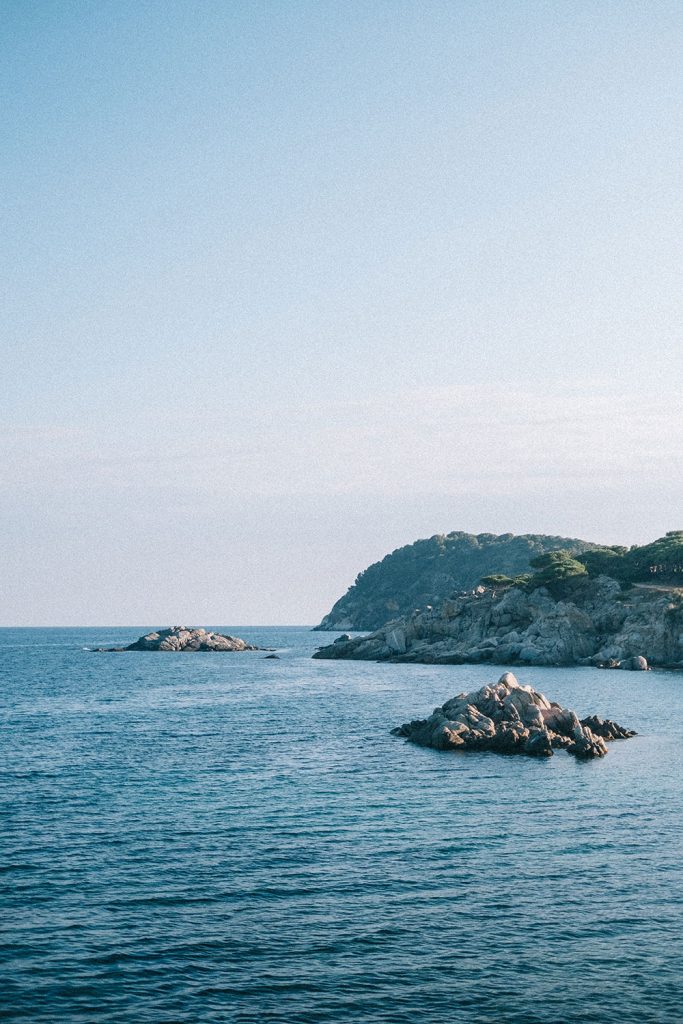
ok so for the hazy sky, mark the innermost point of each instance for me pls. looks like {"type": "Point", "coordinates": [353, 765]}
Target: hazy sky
{"type": "Point", "coordinates": [288, 284]}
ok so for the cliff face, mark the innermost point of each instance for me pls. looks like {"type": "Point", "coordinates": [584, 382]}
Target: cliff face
{"type": "Point", "coordinates": [428, 571]}
{"type": "Point", "coordinates": [595, 623]}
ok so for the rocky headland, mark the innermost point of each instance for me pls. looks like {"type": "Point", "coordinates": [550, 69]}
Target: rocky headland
{"type": "Point", "coordinates": [596, 621]}
{"type": "Point", "coordinates": [430, 570]}
{"type": "Point", "coordinates": [180, 638]}
{"type": "Point", "coordinates": [509, 718]}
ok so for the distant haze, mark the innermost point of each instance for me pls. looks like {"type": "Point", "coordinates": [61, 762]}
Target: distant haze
{"type": "Point", "coordinates": [286, 286]}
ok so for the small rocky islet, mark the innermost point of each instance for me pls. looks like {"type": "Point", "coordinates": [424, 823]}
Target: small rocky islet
{"type": "Point", "coordinates": [180, 638]}
{"type": "Point", "coordinates": [509, 718]}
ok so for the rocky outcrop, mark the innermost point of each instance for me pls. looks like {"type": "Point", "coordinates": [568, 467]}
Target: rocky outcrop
{"type": "Point", "coordinates": [180, 638]}
{"type": "Point", "coordinates": [429, 570]}
{"type": "Point", "coordinates": [512, 719]}
{"type": "Point", "coordinates": [596, 623]}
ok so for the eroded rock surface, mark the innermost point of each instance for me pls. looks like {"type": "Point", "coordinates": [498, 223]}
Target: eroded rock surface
{"type": "Point", "coordinates": [180, 638]}
{"type": "Point", "coordinates": [598, 624]}
{"type": "Point", "coordinates": [512, 719]}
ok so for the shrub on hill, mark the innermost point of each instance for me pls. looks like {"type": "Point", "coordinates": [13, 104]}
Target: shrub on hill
{"type": "Point", "coordinates": [658, 562]}
{"type": "Point", "coordinates": [554, 570]}
{"type": "Point", "coordinates": [432, 570]}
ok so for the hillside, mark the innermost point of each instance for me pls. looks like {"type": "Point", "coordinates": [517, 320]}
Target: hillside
{"type": "Point", "coordinates": [429, 571]}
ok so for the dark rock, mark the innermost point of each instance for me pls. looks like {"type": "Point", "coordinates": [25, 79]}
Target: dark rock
{"type": "Point", "coordinates": [587, 745]}
{"type": "Point", "coordinates": [606, 729]}
{"type": "Point", "coordinates": [538, 744]}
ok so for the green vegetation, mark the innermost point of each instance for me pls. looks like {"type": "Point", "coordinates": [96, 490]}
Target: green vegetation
{"type": "Point", "coordinates": [660, 562]}
{"type": "Point", "coordinates": [429, 571]}
{"type": "Point", "coordinates": [554, 569]}
{"type": "Point", "coordinates": [603, 561]}
{"type": "Point", "coordinates": [499, 580]}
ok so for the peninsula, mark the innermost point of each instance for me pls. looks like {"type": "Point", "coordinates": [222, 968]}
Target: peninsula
{"type": "Point", "coordinates": [610, 607]}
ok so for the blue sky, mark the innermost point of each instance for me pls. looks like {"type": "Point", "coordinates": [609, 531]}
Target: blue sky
{"type": "Point", "coordinates": [287, 285]}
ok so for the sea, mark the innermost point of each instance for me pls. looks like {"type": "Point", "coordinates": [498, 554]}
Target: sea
{"type": "Point", "coordinates": [200, 838]}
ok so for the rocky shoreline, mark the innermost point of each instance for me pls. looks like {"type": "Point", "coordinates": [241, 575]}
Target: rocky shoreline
{"type": "Point", "coordinates": [509, 718]}
{"type": "Point", "coordinates": [597, 623]}
{"type": "Point", "coordinates": [182, 639]}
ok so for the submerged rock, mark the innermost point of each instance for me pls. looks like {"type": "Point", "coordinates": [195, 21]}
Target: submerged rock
{"type": "Point", "coordinates": [180, 638]}
{"type": "Point", "coordinates": [512, 719]}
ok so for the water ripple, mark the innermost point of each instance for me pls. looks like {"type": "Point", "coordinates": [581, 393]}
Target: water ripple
{"type": "Point", "coordinates": [238, 840]}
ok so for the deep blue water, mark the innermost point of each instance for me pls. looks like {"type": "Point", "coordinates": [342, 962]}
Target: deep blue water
{"type": "Point", "coordinates": [220, 837]}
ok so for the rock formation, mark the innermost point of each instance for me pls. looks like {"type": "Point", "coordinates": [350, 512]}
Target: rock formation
{"type": "Point", "coordinates": [597, 623]}
{"type": "Point", "coordinates": [180, 638]}
{"type": "Point", "coordinates": [512, 719]}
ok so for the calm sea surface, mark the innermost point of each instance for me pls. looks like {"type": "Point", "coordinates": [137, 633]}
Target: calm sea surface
{"type": "Point", "coordinates": [220, 837]}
